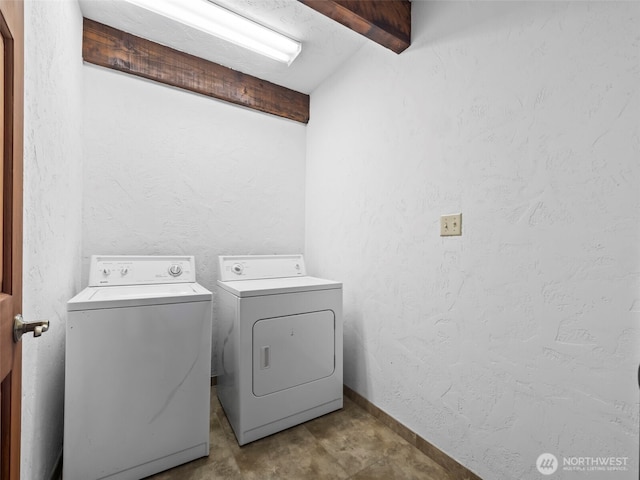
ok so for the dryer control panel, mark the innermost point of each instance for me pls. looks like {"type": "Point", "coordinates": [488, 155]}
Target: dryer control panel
{"type": "Point", "coordinates": [108, 270]}
{"type": "Point", "coordinates": [257, 267]}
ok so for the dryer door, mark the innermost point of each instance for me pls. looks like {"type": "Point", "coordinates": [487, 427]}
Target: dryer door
{"type": "Point", "coordinates": [292, 350]}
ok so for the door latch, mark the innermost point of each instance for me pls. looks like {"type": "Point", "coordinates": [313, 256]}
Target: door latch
{"type": "Point", "coordinates": [21, 327]}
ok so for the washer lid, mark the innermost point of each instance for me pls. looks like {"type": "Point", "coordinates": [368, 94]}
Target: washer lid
{"type": "Point", "coordinates": [92, 298]}
{"type": "Point", "coordinates": [277, 286]}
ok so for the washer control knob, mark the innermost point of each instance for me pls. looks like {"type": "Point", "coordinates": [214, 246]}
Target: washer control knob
{"type": "Point", "coordinates": [106, 271]}
{"type": "Point", "coordinates": [124, 271]}
{"type": "Point", "coordinates": [237, 268]}
{"type": "Point", "coordinates": [175, 270]}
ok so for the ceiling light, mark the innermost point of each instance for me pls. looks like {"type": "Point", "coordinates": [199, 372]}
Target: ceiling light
{"type": "Point", "coordinates": [227, 25]}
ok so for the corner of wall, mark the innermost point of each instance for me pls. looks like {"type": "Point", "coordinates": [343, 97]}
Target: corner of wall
{"type": "Point", "coordinates": [52, 218]}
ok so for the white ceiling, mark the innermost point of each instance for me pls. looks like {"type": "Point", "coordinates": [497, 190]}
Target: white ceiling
{"type": "Point", "coordinates": [325, 43]}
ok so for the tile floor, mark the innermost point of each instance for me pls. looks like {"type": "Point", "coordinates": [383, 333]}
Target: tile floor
{"type": "Point", "coordinates": [347, 444]}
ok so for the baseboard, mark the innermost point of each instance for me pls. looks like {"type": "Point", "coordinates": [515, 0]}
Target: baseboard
{"type": "Point", "coordinates": [56, 473]}
{"type": "Point", "coordinates": [456, 469]}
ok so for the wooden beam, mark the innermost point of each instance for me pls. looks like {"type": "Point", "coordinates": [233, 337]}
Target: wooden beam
{"type": "Point", "coordinates": [387, 22]}
{"type": "Point", "coordinates": [108, 47]}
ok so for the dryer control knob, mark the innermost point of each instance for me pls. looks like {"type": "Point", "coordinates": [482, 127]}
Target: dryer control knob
{"type": "Point", "coordinates": [124, 271]}
{"type": "Point", "coordinates": [106, 272]}
{"type": "Point", "coordinates": [237, 268]}
{"type": "Point", "coordinates": [175, 270]}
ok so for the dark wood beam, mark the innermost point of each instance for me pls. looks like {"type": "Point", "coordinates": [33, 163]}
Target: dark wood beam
{"type": "Point", "coordinates": [387, 22]}
{"type": "Point", "coordinates": [108, 47]}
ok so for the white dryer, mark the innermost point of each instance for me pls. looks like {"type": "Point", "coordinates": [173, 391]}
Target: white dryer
{"type": "Point", "coordinates": [279, 344]}
{"type": "Point", "coordinates": [137, 371]}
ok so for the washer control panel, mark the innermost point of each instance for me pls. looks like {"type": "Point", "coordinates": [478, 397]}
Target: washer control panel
{"type": "Point", "coordinates": [256, 267]}
{"type": "Point", "coordinates": [140, 270]}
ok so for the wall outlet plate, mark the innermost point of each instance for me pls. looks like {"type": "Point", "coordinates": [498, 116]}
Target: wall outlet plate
{"type": "Point", "coordinates": [451, 225]}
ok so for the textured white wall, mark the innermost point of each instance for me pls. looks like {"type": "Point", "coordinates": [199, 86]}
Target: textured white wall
{"type": "Point", "coordinates": [521, 336]}
{"type": "Point", "coordinates": [169, 172]}
{"type": "Point", "coordinates": [52, 218]}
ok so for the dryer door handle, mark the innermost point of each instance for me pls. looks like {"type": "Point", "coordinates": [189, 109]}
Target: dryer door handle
{"type": "Point", "coordinates": [265, 357]}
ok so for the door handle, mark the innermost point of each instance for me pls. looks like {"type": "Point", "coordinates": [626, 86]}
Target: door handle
{"type": "Point", "coordinates": [265, 357]}
{"type": "Point", "coordinates": [21, 327]}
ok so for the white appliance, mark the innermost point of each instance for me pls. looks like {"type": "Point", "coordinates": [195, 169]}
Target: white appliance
{"type": "Point", "coordinates": [280, 344]}
{"type": "Point", "coordinates": [137, 370]}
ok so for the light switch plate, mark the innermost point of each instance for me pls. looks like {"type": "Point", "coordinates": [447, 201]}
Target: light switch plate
{"type": "Point", "coordinates": [451, 225]}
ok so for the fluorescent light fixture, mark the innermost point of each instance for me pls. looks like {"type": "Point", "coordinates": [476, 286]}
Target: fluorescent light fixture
{"type": "Point", "coordinates": [227, 25]}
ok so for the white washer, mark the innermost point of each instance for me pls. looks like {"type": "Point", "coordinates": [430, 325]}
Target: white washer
{"type": "Point", "coordinates": [137, 371]}
{"type": "Point", "coordinates": [279, 344]}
